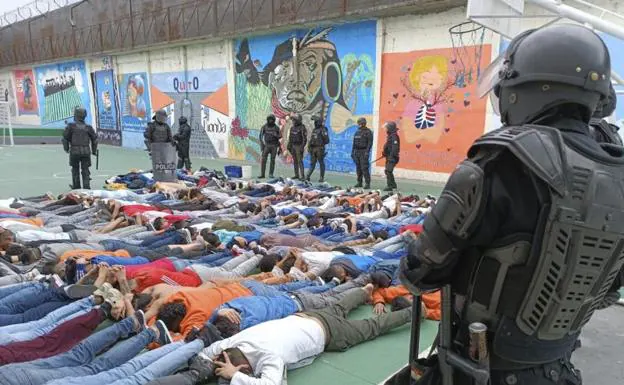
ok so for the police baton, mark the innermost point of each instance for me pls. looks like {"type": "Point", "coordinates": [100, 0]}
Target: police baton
{"type": "Point", "coordinates": [380, 158]}
{"type": "Point", "coordinates": [97, 159]}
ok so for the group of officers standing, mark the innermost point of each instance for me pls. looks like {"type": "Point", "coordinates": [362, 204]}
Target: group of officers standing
{"type": "Point", "coordinates": [270, 144]}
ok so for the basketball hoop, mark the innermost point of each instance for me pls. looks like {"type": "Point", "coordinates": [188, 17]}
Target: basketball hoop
{"type": "Point", "coordinates": [467, 39]}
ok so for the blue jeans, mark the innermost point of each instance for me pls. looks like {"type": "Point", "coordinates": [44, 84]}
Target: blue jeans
{"type": "Point", "coordinates": [32, 314]}
{"type": "Point", "coordinates": [316, 289]}
{"type": "Point", "coordinates": [31, 330]}
{"type": "Point", "coordinates": [214, 260]}
{"type": "Point", "coordinates": [83, 359]}
{"type": "Point", "coordinates": [30, 297]}
{"type": "Point", "coordinates": [168, 238]}
{"type": "Point", "coordinates": [143, 368]}
{"type": "Point", "coordinates": [6, 291]}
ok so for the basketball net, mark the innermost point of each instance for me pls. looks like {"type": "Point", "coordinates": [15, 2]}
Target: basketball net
{"type": "Point", "coordinates": [467, 39]}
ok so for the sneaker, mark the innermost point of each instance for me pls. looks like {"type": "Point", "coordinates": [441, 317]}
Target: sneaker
{"type": "Point", "coordinates": [140, 317]}
{"type": "Point", "coordinates": [79, 291]}
{"type": "Point", "coordinates": [320, 281]}
{"type": "Point", "coordinates": [187, 236]}
{"type": "Point", "coordinates": [193, 334]}
{"type": "Point", "coordinates": [209, 334]}
{"type": "Point", "coordinates": [358, 185]}
{"type": "Point", "coordinates": [164, 337]}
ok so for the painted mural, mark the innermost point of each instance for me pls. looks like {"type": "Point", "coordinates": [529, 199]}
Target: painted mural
{"type": "Point", "coordinates": [195, 94]}
{"type": "Point", "coordinates": [328, 72]}
{"type": "Point", "coordinates": [7, 95]}
{"type": "Point", "coordinates": [61, 88]}
{"type": "Point", "coordinates": [26, 92]}
{"type": "Point", "coordinates": [431, 94]}
{"type": "Point", "coordinates": [105, 91]}
{"type": "Point", "coordinates": [135, 108]}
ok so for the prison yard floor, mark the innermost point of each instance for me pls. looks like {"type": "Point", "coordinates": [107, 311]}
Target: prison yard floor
{"type": "Point", "coordinates": [29, 170]}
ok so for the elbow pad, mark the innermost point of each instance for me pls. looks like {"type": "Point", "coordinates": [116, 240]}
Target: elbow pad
{"type": "Point", "coordinates": [452, 219]}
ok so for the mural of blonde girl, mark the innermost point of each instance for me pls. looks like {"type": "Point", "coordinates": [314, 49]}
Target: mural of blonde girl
{"type": "Point", "coordinates": [135, 104]}
{"type": "Point", "coordinates": [427, 84]}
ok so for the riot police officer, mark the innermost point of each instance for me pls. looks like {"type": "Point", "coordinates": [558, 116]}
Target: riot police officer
{"type": "Point", "coordinates": [318, 140]}
{"type": "Point", "coordinates": [360, 153]}
{"type": "Point", "coordinates": [297, 140]}
{"type": "Point", "coordinates": [270, 136]}
{"type": "Point", "coordinates": [391, 151]}
{"type": "Point", "coordinates": [76, 139]}
{"type": "Point", "coordinates": [183, 143]}
{"type": "Point", "coordinates": [523, 238]}
{"type": "Point", "coordinates": [603, 131]}
{"type": "Point", "coordinates": [158, 131]}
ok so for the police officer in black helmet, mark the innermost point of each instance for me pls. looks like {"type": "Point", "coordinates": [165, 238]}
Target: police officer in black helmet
{"type": "Point", "coordinates": [297, 139]}
{"type": "Point", "coordinates": [270, 136]}
{"type": "Point", "coordinates": [158, 131]}
{"type": "Point", "coordinates": [360, 153]}
{"type": "Point", "coordinates": [524, 237]}
{"type": "Point", "coordinates": [76, 140]}
{"type": "Point", "coordinates": [183, 143]}
{"type": "Point", "coordinates": [319, 139]}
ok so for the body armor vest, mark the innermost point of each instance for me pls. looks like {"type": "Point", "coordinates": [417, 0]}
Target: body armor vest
{"type": "Point", "coordinates": [271, 135]}
{"type": "Point", "coordinates": [604, 132]}
{"type": "Point", "coordinates": [160, 133]}
{"type": "Point", "coordinates": [317, 138]}
{"type": "Point", "coordinates": [296, 135]}
{"type": "Point", "coordinates": [360, 140]}
{"type": "Point", "coordinates": [80, 139]}
{"type": "Point", "coordinates": [579, 253]}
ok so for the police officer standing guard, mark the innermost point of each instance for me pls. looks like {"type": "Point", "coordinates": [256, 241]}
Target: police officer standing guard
{"type": "Point", "coordinates": [183, 143]}
{"type": "Point", "coordinates": [76, 139]}
{"type": "Point", "coordinates": [524, 238]}
{"type": "Point", "coordinates": [270, 136]}
{"type": "Point", "coordinates": [318, 140]}
{"type": "Point", "coordinates": [360, 153]}
{"type": "Point", "coordinates": [391, 151]}
{"type": "Point", "coordinates": [296, 144]}
{"type": "Point", "coordinates": [158, 131]}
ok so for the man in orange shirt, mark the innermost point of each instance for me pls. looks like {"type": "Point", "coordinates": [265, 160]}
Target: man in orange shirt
{"type": "Point", "coordinates": [399, 295]}
{"type": "Point", "coordinates": [182, 308]}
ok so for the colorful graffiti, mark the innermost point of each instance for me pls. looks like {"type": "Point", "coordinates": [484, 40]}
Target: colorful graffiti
{"type": "Point", "coordinates": [26, 92]}
{"type": "Point", "coordinates": [62, 87]}
{"type": "Point", "coordinates": [6, 93]}
{"type": "Point", "coordinates": [192, 94]}
{"type": "Point", "coordinates": [434, 104]}
{"type": "Point", "coordinates": [328, 72]}
{"type": "Point", "coordinates": [105, 90]}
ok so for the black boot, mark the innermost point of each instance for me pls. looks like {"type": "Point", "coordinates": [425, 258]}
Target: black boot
{"type": "Point", "coordinates": [358, 185]}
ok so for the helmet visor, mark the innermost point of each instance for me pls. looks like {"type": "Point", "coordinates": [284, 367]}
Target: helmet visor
{"type": "Point", "coordinates": [490, 77]}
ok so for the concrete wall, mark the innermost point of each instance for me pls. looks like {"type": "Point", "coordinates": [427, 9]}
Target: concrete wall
{"type": "Point", "coordinates": [410, 69]}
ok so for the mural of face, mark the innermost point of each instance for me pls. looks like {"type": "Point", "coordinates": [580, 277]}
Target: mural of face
{"type": "Point", "coordinates": [132, 95]}
{"type": "Point", "coordinates": [106, 99]}
{"type": "Point", "coordinates": [430, 81]}
{"type": "Point", "coordinates": [297, 87]}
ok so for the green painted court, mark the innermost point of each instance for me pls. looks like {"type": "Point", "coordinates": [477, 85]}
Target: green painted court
{"type": "Point", "coordinates": [36, 169]}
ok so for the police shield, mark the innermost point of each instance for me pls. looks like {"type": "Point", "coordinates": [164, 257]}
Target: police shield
{"type": "Point", "coordinates": [164, 162]}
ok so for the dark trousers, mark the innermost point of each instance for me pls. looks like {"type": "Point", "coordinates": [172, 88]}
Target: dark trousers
{"type": "Point", "coordinates": [266, 151]}
{"type": "Point", "coordinates": [184, 160]}
{"type": "Point", "coordinates": [297, 154]}
{"type": "Point", "coordinates": [345, 333]}
{"type": "Point", "coordinates": [317, 154]}
{"type": "Point", "coordinates": [80, 166]}
{"type": "Point", "coordinates": [390, 182]}
{"type": "Point", "coordinates": [362, 166]}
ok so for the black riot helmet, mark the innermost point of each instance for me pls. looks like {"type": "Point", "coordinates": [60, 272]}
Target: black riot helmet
{"type": "Point", "coordinates": [608, 105]}
{"type": "Point", "coordinates": [80, 114]}
{"type": "Point", "coordinates": [161, 116]}
{"type": "Point", "coordinates": [182, 120]}
{"type": "Point", "coordinates": [318, 122]}
{"type": "Point", "coordinates": [361, 122]}
{"type": "Point", "coordinates": [271, 120]}
{"type": "Point", "coordinates": [561, 64]}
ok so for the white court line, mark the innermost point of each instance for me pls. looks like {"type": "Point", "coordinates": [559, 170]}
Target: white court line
{"type": "Point", "coordinates": [58, 175]}
{"type": "Point", "coordinates": [422, 354]}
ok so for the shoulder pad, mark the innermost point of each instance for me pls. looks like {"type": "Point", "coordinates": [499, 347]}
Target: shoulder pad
{"type": "Point", "coordinates": [540, 148]}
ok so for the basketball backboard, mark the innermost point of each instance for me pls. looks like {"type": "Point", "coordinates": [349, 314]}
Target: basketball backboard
{"type": "Point", "coordinates": [501, 16]}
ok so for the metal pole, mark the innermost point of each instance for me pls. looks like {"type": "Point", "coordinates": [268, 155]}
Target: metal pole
{"type": "Point", "coordinates": [581, 16]}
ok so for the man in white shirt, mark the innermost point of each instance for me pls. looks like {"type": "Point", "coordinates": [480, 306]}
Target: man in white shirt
{"type": "Point", "coordinates": [267, 350]}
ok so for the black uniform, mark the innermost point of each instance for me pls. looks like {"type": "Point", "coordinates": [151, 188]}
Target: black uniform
{"type": "Point", "coordinates": [391, 151]}
{"type": "Point", "coordinates": [76, 140]}
{"type": "Point", "coordinates": [522, 238]}
{"type": "Point", "coordinates": [183, 143]}
{"type": "Point", "coordinates": [318, 140]}
{"type": "Point", "coordinates": [158, 131]}
{"type": "Point", "coordinates": [270, 136]}
{"type": "Point", "coordinates": [362, 144]}
{"type": "Point", "coordinates": [297, 140]}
